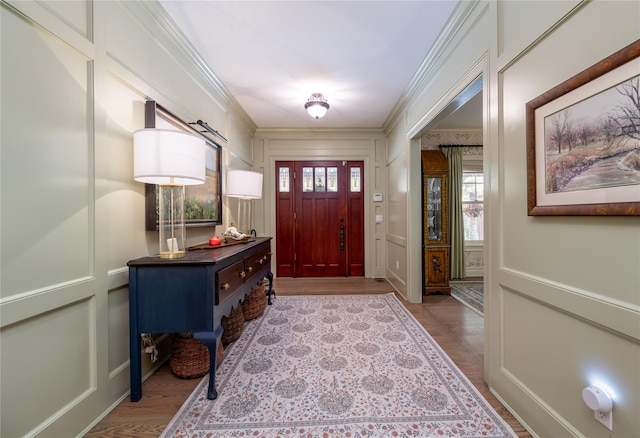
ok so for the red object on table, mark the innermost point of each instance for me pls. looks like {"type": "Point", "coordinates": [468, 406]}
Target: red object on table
{"type": "Point", "coordinates": [214, 241]}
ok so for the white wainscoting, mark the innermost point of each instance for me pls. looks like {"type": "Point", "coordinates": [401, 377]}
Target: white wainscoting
{"type": "Point", "coordinates": [474, 259]}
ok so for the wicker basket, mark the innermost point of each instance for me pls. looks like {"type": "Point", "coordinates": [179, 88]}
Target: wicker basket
{"type": "Point", "coordinates": [232, 325]}
{"type": "Point", "coordinates": [189, 357]}
{"type": "Point", "coordinates": [255, 303]}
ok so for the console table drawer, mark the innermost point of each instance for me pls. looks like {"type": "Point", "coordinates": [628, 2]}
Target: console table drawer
{"type": "Point", "coordinates": [229, 280]}
{"type": "Point", "coordinates": [255, 262]}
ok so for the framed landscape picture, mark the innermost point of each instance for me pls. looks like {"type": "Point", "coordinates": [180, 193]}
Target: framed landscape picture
{"type": "Point", "coordinates": [583, 142]}
{"type": "Point", "coordinates": [203, 203]}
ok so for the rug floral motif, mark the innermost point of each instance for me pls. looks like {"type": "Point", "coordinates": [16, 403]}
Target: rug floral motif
{"type": "Point", "coordinates": [337, 366]}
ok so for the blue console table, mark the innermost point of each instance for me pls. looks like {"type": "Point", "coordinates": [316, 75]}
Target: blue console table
{"type": "Point", "coordinates": [192, 294]}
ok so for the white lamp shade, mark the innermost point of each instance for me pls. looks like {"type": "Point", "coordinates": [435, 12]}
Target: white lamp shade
{"type": "Point", "coordinates": [244, 184]}
{"type": "Point", "coordinates": [166, 157]}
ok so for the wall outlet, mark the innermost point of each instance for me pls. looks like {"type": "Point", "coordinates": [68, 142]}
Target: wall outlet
{"type": "Point", "coordinates": [598, 400]}
{"type": "Point", "coordinates": [606, 418]}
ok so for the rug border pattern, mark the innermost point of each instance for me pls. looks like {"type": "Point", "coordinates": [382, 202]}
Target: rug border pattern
{"type": "Point", "coordinates": [412, 327]}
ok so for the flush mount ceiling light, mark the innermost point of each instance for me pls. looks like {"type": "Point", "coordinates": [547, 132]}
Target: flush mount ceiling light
{"type": "Point", "coordinates": [317, 106]}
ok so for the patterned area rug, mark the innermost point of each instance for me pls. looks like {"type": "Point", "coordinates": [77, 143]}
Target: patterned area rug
{"type": "Point", "coordinates": [470, 293]}
{"type": "Point", "coordinates": [337, 366]}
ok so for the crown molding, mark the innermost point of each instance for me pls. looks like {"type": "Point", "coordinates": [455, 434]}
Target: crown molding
{"type": "Point", "coordinates": [157, 21]}
{"type": "Point", "coordinates": [447, 39]}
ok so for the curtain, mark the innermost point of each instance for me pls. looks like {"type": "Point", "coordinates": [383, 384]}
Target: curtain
{"type": "Point", "coordinates": [454, 212]}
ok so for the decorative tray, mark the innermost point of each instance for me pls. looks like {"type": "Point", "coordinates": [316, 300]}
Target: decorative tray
{"type": "Point", "coordinates": [225, 242]}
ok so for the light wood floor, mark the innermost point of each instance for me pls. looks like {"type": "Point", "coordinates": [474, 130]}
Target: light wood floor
{"type": "Point", "coordinates": [456, 328]}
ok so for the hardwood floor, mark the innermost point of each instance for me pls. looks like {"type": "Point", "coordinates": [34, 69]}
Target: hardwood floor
{"type": "Point", "coordinates": [456, 328]}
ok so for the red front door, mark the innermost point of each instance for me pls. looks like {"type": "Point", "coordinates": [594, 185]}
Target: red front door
{"type": "Point", "coordinates": [320, 218]}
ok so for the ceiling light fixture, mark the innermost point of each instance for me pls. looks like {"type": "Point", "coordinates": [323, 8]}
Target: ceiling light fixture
{"type": "Point", "coordinates": [317, 106]}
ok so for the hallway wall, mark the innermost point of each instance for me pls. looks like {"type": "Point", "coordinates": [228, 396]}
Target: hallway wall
{"type": "Point", "coordinates": [562, 294]}
{"type": "Point", "coordinates": [75, 76]}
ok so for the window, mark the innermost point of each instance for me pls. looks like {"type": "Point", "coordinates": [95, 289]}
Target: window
{"type": "Point", "coordinates": [284, 179]}
{"type": "Point", "coordinates": [325, 180]}
{"type": "Point", "coordinates": [473, 205]}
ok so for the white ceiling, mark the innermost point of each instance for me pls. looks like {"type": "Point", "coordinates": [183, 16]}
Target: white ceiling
{"type": "Point", "coordinates": [271, 55]}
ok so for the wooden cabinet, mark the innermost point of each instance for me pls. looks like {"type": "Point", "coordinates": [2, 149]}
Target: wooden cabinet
{"type": "Point", "coordinates": [435, 171]}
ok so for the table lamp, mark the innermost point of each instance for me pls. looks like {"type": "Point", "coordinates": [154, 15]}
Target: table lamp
{"type": "Point", "coordinates": [172, 160]}
{"type": "Point", "coordinates": [245, 185]}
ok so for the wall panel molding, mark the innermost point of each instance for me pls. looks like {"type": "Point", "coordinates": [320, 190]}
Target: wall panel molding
{"type": "Point", "coordinates": [77, 14]}
{"type": "Point", "coordinates": [30, 304]}
{"type": "Point", "coordinates": [600, 311]}
{"type": "Point", "coordinates": [54, 86]}
{"type": "Point", "coordinates": [531, 329]}
{"type": "Point", "coordinates": [35, 343]}
{"type": "Point", "coordinates": [68, 31]}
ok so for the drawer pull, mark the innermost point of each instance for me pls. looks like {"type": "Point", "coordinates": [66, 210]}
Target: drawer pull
{"type": "Point", "coordinates": [225, 286]}
{"type": "Point", "coordinates": [250, 269]}
{"type": "Point", "coordinates": [243, 274]}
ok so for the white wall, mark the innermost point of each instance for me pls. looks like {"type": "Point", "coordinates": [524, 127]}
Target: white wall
{"type": "Point", "coordinates": [400, 207]}
{"type": "Point", "coordinates": [565, 290]}
{"type": "Point", "coordinates": [75, 76]}
{"type": "Point", "coordinates": [562, 293]}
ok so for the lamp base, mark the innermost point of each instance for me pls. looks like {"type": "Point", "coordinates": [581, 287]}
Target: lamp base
{"type": "Point", "coordinates": [244, 216]}
{"type": "Point", "coordinates": [172, 255]}
{"type": "Point", "coordinates": [171, 224]}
